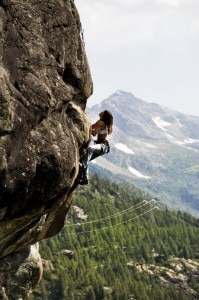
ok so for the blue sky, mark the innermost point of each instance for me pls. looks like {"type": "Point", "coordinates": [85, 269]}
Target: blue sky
{"type": "Point", "coordinates": [147, 47]}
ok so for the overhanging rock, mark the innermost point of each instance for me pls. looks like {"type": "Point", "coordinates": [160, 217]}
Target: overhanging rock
{"type": "Point", "coordinates": [45, 82]}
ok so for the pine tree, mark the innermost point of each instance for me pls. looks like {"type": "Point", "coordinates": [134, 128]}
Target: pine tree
{"type": "Point", "coordinates": [101, 256]}
{"type": "Point", "coordinates": [43, 290]}
{"type": "Point", "coordinates": [90, 295]}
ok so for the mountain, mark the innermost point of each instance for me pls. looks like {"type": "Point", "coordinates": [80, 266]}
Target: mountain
{"type": "Point", "coordinates": [154, 147]}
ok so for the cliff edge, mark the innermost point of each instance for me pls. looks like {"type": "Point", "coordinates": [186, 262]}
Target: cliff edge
{"type": "Point", "coordinates": [45, 82]}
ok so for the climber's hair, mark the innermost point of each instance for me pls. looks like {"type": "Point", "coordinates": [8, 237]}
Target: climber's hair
{"type": "Point", "coordinates": [108, 120]}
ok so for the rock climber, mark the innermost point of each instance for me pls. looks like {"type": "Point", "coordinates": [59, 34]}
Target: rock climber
{"type": "Point", "coordinates": [102, 128]}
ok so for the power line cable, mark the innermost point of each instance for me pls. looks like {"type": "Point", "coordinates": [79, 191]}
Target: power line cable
{"type": "Point", "coordinates": [112, 225]}
{"type": "Point", "coordinates": [130, 209]}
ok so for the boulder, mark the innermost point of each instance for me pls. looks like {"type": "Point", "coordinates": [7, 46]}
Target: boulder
{"type": "Point", "coordinates": [19, 273]}
{"type": "Point", "coordinates": [45, 82]}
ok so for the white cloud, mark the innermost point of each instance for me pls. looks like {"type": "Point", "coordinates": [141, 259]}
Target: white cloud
{"type": "Point", "coordinates": [147, 47]}
{"type": "Point", "coordinates": [111, 24]}
{"type": "Point", "coordinates": [195, 27]}
{"type": "Point", "coordinates": [174, 3]}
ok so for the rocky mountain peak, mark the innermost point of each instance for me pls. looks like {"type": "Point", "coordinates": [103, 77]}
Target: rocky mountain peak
{"type": "Point", "coordinates": [154, 147]}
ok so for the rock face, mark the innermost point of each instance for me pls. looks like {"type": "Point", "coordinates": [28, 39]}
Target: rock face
{"type": "Point", "coordinates": [177, 272]}
{"type": "Point", "coordinates": [44, 85]}
{"type": "Point", "coordinates": [20, 273]}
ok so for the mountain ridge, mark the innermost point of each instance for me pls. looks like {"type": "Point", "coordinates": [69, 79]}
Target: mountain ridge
{"type": "Point", "coordinates": [155, 146]}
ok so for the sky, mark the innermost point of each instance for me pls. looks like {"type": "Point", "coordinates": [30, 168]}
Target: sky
{"type": "Point", "coordinates": [147, 47]}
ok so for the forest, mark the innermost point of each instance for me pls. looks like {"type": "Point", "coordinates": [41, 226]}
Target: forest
{"type": "Point", "coordinates": [120, 244]}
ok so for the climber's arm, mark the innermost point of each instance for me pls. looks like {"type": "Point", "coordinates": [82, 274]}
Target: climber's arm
{"type": "Point", "coordinates": [96, 127]}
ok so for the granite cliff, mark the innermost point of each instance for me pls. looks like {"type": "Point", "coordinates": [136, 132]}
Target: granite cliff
{"type": "Point", "coordinates": [45, 82]}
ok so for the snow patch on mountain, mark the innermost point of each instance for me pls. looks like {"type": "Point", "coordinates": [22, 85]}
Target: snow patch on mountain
{"type": "Point", "coordinates": [160, 123]}
{"type": "Point", "coordinates": [124, 148]}
{"type": "Point", "coordinates": [187, 141]}
{"type": "Point", "coordinates": [191, 141]}
{"type": "Point", "coordinates": [137, 173]}
{"type": "Point", "coordinates": [170, 136]}
{"type": "Point", "coordinates": [150, 146]}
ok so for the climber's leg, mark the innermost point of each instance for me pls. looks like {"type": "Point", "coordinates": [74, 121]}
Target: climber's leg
{"type": "Point", "coordinates": [85, 160]}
